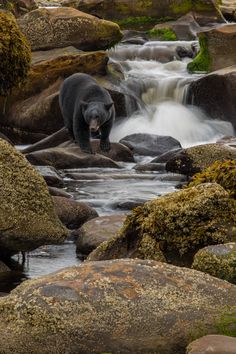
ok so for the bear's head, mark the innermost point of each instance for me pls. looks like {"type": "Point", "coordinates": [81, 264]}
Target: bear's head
{"type": "Point", "coordinates": [96, 114]}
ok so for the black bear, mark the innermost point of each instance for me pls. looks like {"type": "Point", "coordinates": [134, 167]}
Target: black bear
{"type": "Point", "coordinates": [86, 107]}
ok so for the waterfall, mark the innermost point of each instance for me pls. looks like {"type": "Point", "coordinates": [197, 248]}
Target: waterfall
{"type": "Point", "coordinates": [158, 78]}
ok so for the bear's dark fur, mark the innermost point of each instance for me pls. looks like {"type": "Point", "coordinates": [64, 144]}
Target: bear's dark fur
{"type": "Point", "coordinates": [86, 107]}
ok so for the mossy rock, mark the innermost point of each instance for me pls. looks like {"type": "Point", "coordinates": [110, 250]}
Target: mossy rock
{"type": "Point", "coordinates": [202, 62]}
{"type": "Point", "coordinates": [175, 225]}
{"type": "Point", "coordinates": [27, 216]}
{"type": "Point", "coordinates": [119, 306]}
{"type": "Point", "coordinates": [217, 49]}
{"type": "Point", "coordinates": [197, 158]}
{"type": "Point", "coordinates": [15, 54]}
{"type": "Point", "coordinates": [223, 173]}
{"type": "Point", "coordinates": [218, 261]}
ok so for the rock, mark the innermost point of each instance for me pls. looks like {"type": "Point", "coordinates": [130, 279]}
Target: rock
{"type": "Point", "coordinates": [27, 216]}
{"type": "Point", "coordinates": [197, 158]}
{"type": "Point", "coordinates": [215, 94]}
{"type": "Point", "coordinates": [51, 176]}
{"type": "Point", "coordinates": [228, 9]}
{"type": "Point", "coordinates": [32, 112]}
{"type": "Point", "coordinates": [96, 231]}
{"type": "Point", "coordinates": [4, 268]}
{"type": "Point", "coordinates": [215, 344]}
{"type": "Point", "coordinates": [73, 214]}
{"type": "Point", "coordinates": [57, 192]}
{"type": "Point", "coordinates": [126, 306]}
{"type": "Point", "coordinates": [18, 7]}
{"type": "Point", "coordinates": [223, 173]}
{"type": "Point", "coordinates": [15, 54]}
{"type": "Point", "coordinates": [150, 167]}
{"type": "Point", "coordinates": [148, 11]}
{"type": "Point", "coordinates": [218, 261]}
{"type": "Point", "coordinates": [185, 28]}
{"type": "Point", "coordinates": [68, 27]}
{"type": "Point", "coordinates": [174, 226]}
{"type": "Point", "coordinates": [150, 144]}
{"type": "Point", "coordinates": [217, 49]}
{"type": "Point", "coordinates": [163, 158]}
{"type": "Point", "coordinates": [71, 157]}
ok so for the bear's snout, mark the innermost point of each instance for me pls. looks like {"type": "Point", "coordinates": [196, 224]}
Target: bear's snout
{"type": "Point", "coordinates": [94, 125]}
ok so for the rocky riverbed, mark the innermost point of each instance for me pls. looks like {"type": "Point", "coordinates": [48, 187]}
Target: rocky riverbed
{"type": "Point", "coordinates": [119, 251]}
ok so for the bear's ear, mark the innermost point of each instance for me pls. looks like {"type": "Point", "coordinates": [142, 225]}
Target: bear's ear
{"type": "Point", "coordinates": [108, 105]}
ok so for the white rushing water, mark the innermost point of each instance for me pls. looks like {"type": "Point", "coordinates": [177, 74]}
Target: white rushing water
{"type": "Point", "coordinates": [162, 86]}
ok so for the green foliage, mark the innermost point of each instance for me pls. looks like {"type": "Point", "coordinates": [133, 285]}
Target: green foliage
{"type": "Point", "coordinates": [202, 62]}
{"type": "Point", "coordinates": [15, 54]}
{"type": "Point", "coordinates": [164, 34]}
{"type": "Point", "coordinates": [223, 173]}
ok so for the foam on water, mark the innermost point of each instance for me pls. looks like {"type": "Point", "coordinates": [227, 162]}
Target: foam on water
{"type": "Point", "coordinates": [189, 125]}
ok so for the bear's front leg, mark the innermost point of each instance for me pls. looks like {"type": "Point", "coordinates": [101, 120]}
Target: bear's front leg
{"type": "Point", "coordinates": [82, 136]}
{"type": "Point", "coordinates": [105, 144]}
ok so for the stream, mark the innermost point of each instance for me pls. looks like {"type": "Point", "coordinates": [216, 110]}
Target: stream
{"type": "Point", "coordinates": [160, 83]}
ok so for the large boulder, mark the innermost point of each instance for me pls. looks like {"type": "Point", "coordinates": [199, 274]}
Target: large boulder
{"type": "Point", "coordinates": [218, 261]}
{"type": "Point", "coordinates": [14, 52]}
{"type": "Point", "coordinates": [215, 94]}
{"type": "Point", "coordinates": [197, 158]}
{"type": "Point", "coordinates": [147, 11]}
{"type": "Point", "coordinates": [121, 306]}
{"type": "Point", "coordinates": [48, 28]}
{"type": "Point", "coordinates": [27, 216]}
{"type": "Point", "coordinates": [96, 231]}
{"type": "Point", "coordinates": [175, 225]}
{"type": "Point", "coordinates": [150, 144]}
{"type": "Point", "coordinates": [32, 112]}
{"type": "Point", "coordinates": [217, 49]}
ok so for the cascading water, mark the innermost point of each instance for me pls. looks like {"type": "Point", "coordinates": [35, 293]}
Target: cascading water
{"type": "Point", "coordinates": [158, 77]}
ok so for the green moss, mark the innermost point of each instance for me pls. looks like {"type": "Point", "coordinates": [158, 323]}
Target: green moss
{"type": "Point", "coordinates": [223, 173]}
{"type": "Point", "coordinates": [165, 34]}
{"type": "Point", "coordinates": [202, 62]}
{"type": "Point", "coordinates": [226, 324]}
{"type": "Point", "coordinates": [15, 54]}
{"type": "Point", "coordinates": [136, 20]}
{"type": "Point", "coordinates": [183, 7]}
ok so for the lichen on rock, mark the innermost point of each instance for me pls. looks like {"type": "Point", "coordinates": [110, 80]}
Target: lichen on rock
{"type": "Point", "coordinates": [223, 173]}
{"type": "Point", "coordinates": [15, 54]}
{"type": "Point", "coordinates": [27, 216]}
{"type": "Point", "coordinates": [218, 261]}
{"type": "Point", "coordinates": [179, 222]}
